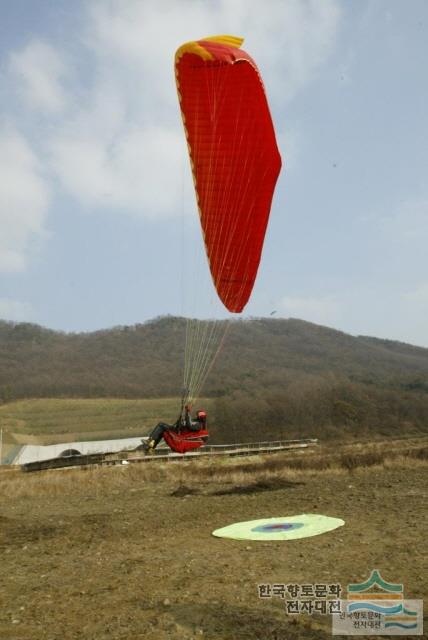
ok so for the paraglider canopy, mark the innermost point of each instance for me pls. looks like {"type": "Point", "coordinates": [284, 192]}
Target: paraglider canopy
{"type": "Point", "coordinates": [234, 158]}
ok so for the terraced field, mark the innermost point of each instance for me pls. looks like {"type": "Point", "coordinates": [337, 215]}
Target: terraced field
{"type": "Point", "coordinates": [47, 421]}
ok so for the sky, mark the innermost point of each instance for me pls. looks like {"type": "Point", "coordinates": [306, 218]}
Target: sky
{"type": "Point", "coordinates": [98, 218]}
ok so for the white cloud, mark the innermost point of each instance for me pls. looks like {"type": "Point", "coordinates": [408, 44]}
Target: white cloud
{"type": "Point", "coordinates": [24, 200]}
{"type": "Point", "coordinates": [11, 261]}
{"type": "Point", "coordinates": [37, 70]}
{"type": "Point", "coordinates": [408, 317]}
{"type": "Point", "coordinates": [418, 298]}
{"type": "Point", "coordinates": [408, 223]}
{"type": "Point", "coordinates": [15, 310]}
{"type": "Point", "coordinates": [289, 40]}
{"type": "Point", "coordinates": [121, 144]}
{"type": "Point", "coordinates": [140, 171]}
{"type": "Point", "coordinates": [379, 311]}
{"type": "Point", "coordinates": [289, 144]}
{"type": "Point", "coordinates": [320, 310]}
{"type": "Point", "coordinates": [396, 243]}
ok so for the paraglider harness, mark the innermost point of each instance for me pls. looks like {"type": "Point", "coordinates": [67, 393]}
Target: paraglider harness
{"type": "Point", "coordinates": [187, 434]}
{"type": "Point", "coordinates": [184, 435]}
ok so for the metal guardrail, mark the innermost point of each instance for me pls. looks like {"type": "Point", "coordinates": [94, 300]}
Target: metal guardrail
{"type": "Point", "coordinates": [164, 454]}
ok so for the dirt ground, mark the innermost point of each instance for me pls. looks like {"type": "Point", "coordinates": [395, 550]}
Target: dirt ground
{"type": "Point", "coordinates": [126, 552]}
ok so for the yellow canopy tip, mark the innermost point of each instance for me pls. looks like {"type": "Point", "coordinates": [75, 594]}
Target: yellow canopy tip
{"type": "Point", "coordinates": [195, 47]}
{"type": "Point", "coordinates": [230, 41]}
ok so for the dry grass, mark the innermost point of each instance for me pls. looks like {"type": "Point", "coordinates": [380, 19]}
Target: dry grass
{"type": "Point", "coordinates": [270, 473]}
{"type": "Point", "coordinates": [95, 481]}
{"type": "Point", "coordinates": [346, 458]}
{"type": "Point", "coordinates": [218, 477]}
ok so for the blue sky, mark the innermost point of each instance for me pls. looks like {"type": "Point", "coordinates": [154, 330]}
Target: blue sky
{"type": "Point", "coordinates": [97, 211]}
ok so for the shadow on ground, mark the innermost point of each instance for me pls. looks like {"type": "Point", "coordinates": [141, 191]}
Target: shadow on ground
{"type": "Point", "coordinates": [257, 487]}
{"type": "Point", "coordinates": [217, 620]}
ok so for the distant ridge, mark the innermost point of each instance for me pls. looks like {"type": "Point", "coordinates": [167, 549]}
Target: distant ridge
{"type": "Point", "coordinates": [287, 372]}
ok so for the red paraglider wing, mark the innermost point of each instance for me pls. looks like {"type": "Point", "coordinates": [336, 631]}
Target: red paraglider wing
{"type": "Point", "coordinates": [234, 156]}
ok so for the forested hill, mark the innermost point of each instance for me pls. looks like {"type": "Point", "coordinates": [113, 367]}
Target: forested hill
{"type": "Point", "coordinates": [145, 360]}
{"type": "Point", "coordinates": [272, 370]}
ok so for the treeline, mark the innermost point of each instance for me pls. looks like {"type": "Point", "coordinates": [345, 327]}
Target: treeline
{"type": "Point", "coordinates": [276, 377]}
{"type": "Point", "coordinates": [323, 408]}
{"type": "Point", "coordinates": [137, 361]}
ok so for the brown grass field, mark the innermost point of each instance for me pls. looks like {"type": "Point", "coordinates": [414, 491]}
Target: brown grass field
{"type": "Point", "coordinates": [127, 552]}
{"type": "Point", "coordinates": [43, 420]}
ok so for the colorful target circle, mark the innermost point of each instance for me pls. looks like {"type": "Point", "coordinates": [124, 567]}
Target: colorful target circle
{"type": "Point", "coordinates": [284, 528]}
{"type": "Point", "coordinates": [278, 526]}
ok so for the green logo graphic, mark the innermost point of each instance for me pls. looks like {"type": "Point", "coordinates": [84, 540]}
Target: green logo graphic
{"type": "Point", "coordinates": [377, 607]}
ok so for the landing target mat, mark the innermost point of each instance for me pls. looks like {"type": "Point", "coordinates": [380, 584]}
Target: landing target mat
{"type": "Point", "coordinates": [286, 528]}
